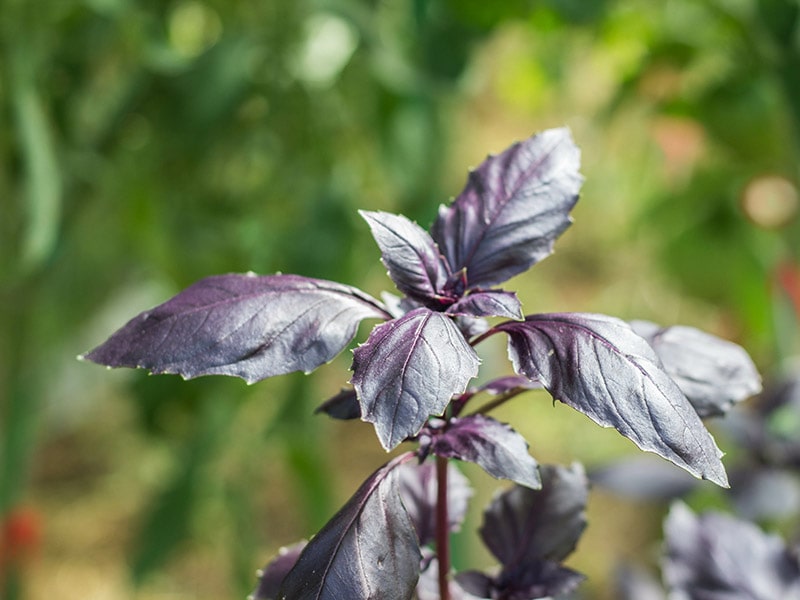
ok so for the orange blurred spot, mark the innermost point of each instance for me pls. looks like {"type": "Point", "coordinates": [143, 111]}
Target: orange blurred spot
{"type": "Point", "coordinates": [21, 536]}
{"type": "Point", "coordinates": [682, 142]}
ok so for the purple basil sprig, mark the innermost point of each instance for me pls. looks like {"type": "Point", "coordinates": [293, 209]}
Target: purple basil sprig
{"type": "Point", "coordinates": [411, 379]}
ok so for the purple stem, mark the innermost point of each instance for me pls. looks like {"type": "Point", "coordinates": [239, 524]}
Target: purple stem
{"type": "Point", "coordinates": [442, 529]}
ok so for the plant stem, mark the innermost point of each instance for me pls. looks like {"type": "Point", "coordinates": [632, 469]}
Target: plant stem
{"type": "Point", "coordinates": [442, 528]}
{"type": "Point", "coordinates": [499, 400]}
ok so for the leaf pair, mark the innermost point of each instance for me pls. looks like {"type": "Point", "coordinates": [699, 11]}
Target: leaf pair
{"type": "Point", "coordinates": [507, 218]}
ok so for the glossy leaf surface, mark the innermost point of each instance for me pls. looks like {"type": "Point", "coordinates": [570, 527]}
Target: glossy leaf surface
{"type": "Point", "coordinates": [367, 550]}
{"type": "Point", "coordinates": [512, 209]}
{"type": "Point", "coordinates": [409, 253]}
{"type": "Point", "coordinates": [718, 557]}
{"type": "Point", "coordinates": [408, 370]}
{"type": "Point", "coordinates": [418, 489]}
{"type": "Point", "coordinates": [600, 367]}
{"type": "Point", "coordinates": [243, 325]}
{"type": "Point", "coordinates": [714, 373]}
{"type": "Point", "coordinates": [496, 447]}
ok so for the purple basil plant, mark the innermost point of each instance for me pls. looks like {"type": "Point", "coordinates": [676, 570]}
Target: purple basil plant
{"type": "Point", "coordinates": [411, 380]}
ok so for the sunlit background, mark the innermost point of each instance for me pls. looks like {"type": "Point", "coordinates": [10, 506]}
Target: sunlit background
{"type": "Point", "coordinates": [145, 145]}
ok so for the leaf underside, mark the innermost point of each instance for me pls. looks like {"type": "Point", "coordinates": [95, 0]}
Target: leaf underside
{"type": "Point", "coordinates": [408, 370]}
{"type": "Point", "coordinates": [597, 365]}
{"type": "Point", "coordinates": [243, 325]}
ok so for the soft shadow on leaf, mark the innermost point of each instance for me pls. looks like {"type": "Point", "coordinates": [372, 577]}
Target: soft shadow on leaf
{"type": "Point", "coordinates": [599, 366]}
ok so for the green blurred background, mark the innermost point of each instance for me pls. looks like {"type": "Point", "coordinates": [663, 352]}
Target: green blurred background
{"type": "Point", "coordinates": [144, 145]}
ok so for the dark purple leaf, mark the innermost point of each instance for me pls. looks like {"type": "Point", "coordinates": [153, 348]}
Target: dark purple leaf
{"type": "Point", "coordinates": [542, 579]}
{"type": "Point", "coordinates": [600, 367]}
{"type": "Point", "coordinates": [343, 405]}
{"type": "Point", "coordinates": [718, 557]}
{"type": "Point", "coordinates": [271, 577]}
{"type": "Point", "coordinates": [635, 584]}
{"type": "Point", "coordinates": [367, 550]}
{"type": "Point", "coordinates": [523, 526]}
{"type": "Point", "coordinates": [644, 477]}
{"type": "Point", "coordinates": [498, 449]}
{"type": "Point", "coordinates": [411, 256]}
{"type": "Point", "coordinates": [512, 209]}
{"type": "Point", "coordinates": [475, 583]}
{"type": "Point", "coordinates": [243, 325]}
{"type": "Point", "coordinates": [408, 370]}
{"type": "Point", "coordinates": [418, 489]}
{"type": "Point", "coordinates": [531, 532]}
{"type": "Point", "coordinates": [490, 303]}
{"type": "Point", "coordinates": [712, 372]}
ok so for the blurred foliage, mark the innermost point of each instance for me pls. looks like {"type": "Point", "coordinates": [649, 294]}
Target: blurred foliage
{"type": "Point", "coordinates": [148, 144]}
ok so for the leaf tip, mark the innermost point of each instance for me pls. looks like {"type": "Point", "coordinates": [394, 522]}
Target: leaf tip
{"type": "Point", "coordinates": [719, 477]}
